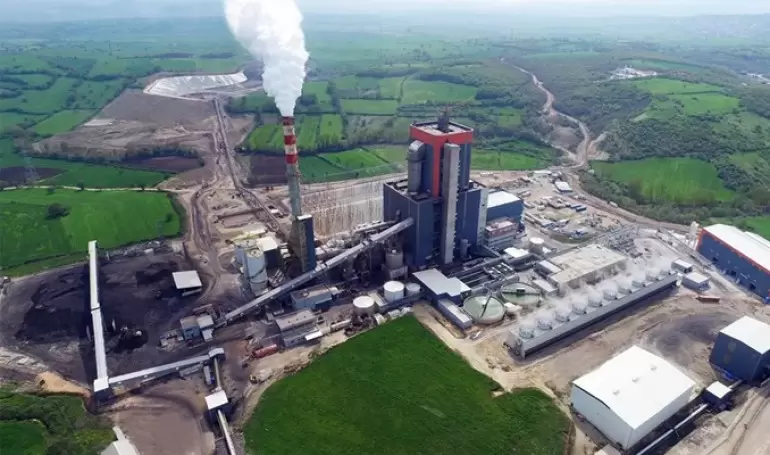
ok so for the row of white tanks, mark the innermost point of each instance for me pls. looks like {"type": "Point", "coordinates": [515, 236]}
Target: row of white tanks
{"type": "Point", "coordinates": [392, 291]}
{"type": "Point", "coordinates": [564, 310]}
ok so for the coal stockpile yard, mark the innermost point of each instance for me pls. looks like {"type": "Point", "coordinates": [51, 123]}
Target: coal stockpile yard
{"type": "Point", "coordinates": [47, 316]}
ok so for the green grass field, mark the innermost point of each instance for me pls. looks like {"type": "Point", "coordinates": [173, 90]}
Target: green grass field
{"type": "Point", "coordinates": [47, 101]}
{"type": "Point", "coordinates": [319, 90]}
{"type": "Point", "coordinates": [62, 121]}
{"type": "Point", "coordinates": [683, 181]}
{"type": "Point", "coordinates": [266, 137]}
{"type": "Point", "coordinates": [390, 87]}
{"type": "Point", "coordinates": [94, 95]}
{"type": "Point", "coordinates": [418, 92]}
{"type": "Point", "coordinates": [307, 132]}
{"type": "Point", "coordinates": [330, 130]}
{"type": "Point", "coordinates": [22, 438]}
{"type": "Point", "coordinates": [693, 104]}
{"type": "Point", "coordinates": [663, 86]}
{"type": "Point", "coordinates": [370, 107]}
{"type": "Point", "coordinates": [662, 65]}
{"type": "Point", "coordinates": [10, 119]}
{"type": "Point", "coordinates": [371, 395]}
{"type": "Point", "coordinates": [494, 160]}
{"type": "Point", "coordinates": [57, 424]}
{"type": "Point", "coordinates": [74, 173]}
{"type": "Point", "coordinates": [316, 169]}
{"type": "Point", "coordinates": [114, 218]}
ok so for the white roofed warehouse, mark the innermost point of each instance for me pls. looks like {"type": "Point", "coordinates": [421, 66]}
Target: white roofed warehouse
{"type": "Point", "coordinates": [630, 395]}
{"type": "Point", "coordinates": [742, 350]}
{"type": "Point", "coordinates": [743, 256]}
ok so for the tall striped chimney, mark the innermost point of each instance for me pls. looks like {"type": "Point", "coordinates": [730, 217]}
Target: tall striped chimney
{"type": "Point", "coordinates": [292, 165]}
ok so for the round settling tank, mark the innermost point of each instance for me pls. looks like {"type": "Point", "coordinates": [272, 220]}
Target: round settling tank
{"type": "Point", "coordinates": [484, 310]}
{"type": "Point", "coordinates": [412, 289]}
{"type": "Point", "coordinates": [393, 291]}
{"type": "Point", "coordinates": [364, 305]}
{"type": "Point", "coordinates": [520, 294]}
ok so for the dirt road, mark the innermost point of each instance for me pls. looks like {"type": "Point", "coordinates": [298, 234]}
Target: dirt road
{"type": "Point", "coordinates": [747, 435]}
{"type": "Point", "coordinates": [589, 149]}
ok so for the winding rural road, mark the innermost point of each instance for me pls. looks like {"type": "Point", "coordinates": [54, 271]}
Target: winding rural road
{"type": "Point", "coordinates": [587, 149]}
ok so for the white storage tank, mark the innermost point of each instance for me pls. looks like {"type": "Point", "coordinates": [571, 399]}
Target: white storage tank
{"type": "Point", "coordinates": [394, 259]}
{"type": "Point", "coordinates": [412, 289]}
{"type": "Point", "coordinates": [393, 291]}
{"type": "Point", "coordinates": [536, 245]}
{"type": "Point", "coordinates": [250, 260]}
{"type": "Point", "coordinates": [364, 305]}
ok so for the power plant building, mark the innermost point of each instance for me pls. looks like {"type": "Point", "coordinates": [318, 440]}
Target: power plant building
{"type": "Point", "coordinates": [448, 208]}
{"type": "Point", "coordinates": [742, 350]}
{"type": "Point", "coordinates": [502, 204]}
{"type": "Point", "coordinates": [630, 395]}
{"type": "Point", "coordinates": [743, 256]}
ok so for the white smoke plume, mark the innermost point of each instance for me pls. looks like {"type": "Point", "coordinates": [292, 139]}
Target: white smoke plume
{"type": "Point", "coordinates": [271, 30]}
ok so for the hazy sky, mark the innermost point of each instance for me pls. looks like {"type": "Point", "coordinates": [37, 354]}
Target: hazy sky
{"type": "Point", "coordinates": [89, 9]}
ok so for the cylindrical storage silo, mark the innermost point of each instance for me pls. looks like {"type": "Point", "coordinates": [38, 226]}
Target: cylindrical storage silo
{"type": "Point", "coordinates": [394, 259]}
{"type": "Point", "coordinates": [363, 305]}
{"type": "Point", "coordinates": [393, 291]}
{"type": "Point", "coordinates": [536, 245]}
{"type": "Point", "coordinates": [412, 289]}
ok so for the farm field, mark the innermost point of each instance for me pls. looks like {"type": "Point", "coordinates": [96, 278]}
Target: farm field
{"type": "Point", "coordinates": [693, 104]}
{"type": "Point", "coordinates": [10, 119]}
{"type": "Point", "coordinates": [418, 92]}
{"type": "Point", "coordinates": [316, 169]}
{"type": "Point", "coordinates": [94, 95]}
{"type": "Point", "coordinates": [371, 395]}
{"type": "Point", "coordinates": [495, 160]}
{"type": "Point", "coordinates": [114, 218]}
{"type": "Point", "coordinates": [663, 86]}
{"type": "Point", "coordinates": [37, 425]}
{"type": "Point", "coordinates": [661, 65]}
{"type": "Point", "coordinates": [390, 87]}
{"type": "Point", "coordinates": [319, 90]}
{"type": "Point", "coordinates": [46, 101]}
{"type": "Point", "coordinates": [61, 122]}
{"type": "Point", "coordinates": [69, 173]}
{"type": "Point", "coordinates": [684, 181]}
{"type": "Point", "coordinates": [369, 107]}
{"type": "Point", "coordinates": [330, 132]}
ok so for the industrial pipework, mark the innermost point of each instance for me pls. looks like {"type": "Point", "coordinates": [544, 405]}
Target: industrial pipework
{"type": "Point", "coordinates": [292, 165]}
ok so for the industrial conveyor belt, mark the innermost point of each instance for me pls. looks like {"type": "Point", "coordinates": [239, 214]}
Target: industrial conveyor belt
{"type": "Point", "coordinates": [291, 285]}
{"type": "Point", "coordinates": [96, 312]}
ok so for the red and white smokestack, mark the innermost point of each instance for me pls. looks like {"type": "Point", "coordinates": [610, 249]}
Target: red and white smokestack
{"type": "Point", "coordinates": [292, 165]}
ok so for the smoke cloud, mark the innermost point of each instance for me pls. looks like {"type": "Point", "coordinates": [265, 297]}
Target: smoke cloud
{"type": "Point", "coordinates": [272, 31]}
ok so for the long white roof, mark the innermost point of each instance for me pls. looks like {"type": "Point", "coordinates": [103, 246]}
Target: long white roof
{"type": "Point", "coordinates": [750, 245]}
{"type": "Point", "coordinates": [754, 334]}
{"type": "Point", "coordinates": [636, 385]}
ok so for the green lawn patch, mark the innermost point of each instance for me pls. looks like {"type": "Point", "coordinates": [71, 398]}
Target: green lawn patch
{"type": "Point", "coordinates": [114, 218]}
{"type": "Point", "coordinates": [371, 395]}
{"type": "Point", "coordinates": [418, 92]}
{"type": "Point", "coordinates": [316, 169]}
{"type": "Point", "coordinates": [62, 121]}
{"type": "Point", "coordinates": [684, 181]}
{"type": "Point", "coordinates": [22, 438]}
{"type": "Point", "coordinates": [370, 107]}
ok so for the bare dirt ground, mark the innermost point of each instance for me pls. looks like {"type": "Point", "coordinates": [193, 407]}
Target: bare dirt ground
{"type": "Point", "coordinates": [46, 316]}
{"type": "Point", "coordinates": [51, 382]}
{"type": "Point", "coordinates": [166, 419]}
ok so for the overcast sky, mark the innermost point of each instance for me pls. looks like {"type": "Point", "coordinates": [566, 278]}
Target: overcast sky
{"type": "Point", "coordinates": [90, 9]}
